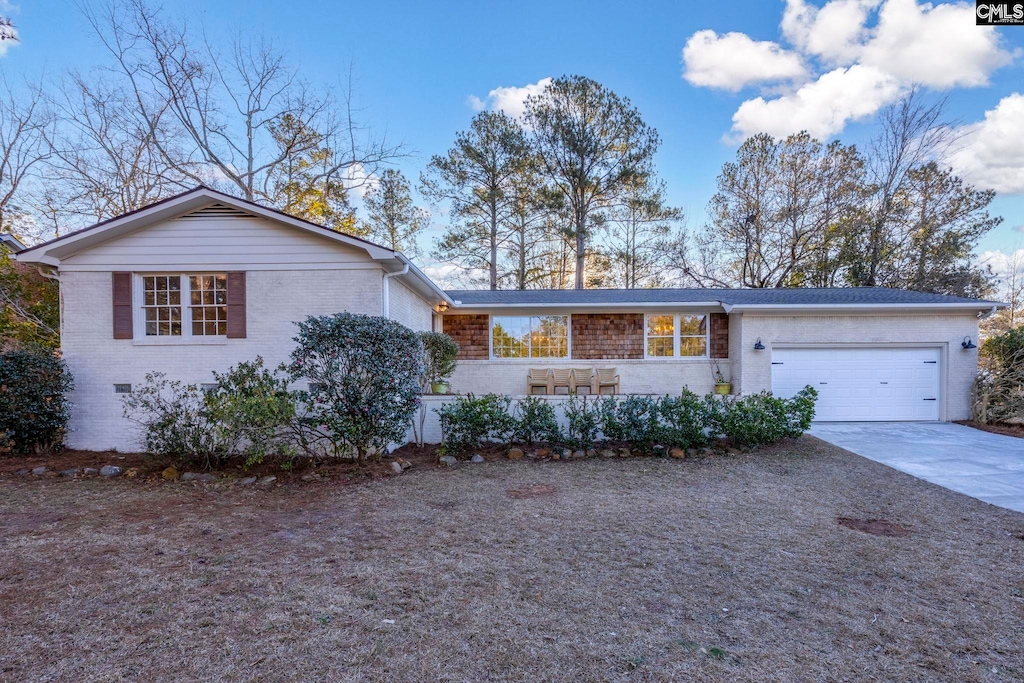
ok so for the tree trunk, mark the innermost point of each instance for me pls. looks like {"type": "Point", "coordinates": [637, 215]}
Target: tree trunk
{"type": "Point", "coordinates": [581, 250]}
{"type": "Point", "coordinates": [494, 247]}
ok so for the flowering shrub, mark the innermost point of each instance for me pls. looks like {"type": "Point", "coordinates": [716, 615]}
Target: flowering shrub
{"type": "Point", "coordinates": [34, 410]}
{"type": "Point", "coordinates": [363, 374]}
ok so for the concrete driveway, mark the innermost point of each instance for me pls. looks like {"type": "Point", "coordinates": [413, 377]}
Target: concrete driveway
{"type": "Point", "coordinates": [989, 467]}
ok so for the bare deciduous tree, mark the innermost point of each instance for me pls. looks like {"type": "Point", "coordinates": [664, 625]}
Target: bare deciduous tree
{"type": "Point", "coordinates": [24, 119]}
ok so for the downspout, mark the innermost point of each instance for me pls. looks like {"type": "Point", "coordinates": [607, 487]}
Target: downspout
{"type": "Point", "coordinates": [988, 314]}
{"type": "Point", "coordinates": [387, 289]}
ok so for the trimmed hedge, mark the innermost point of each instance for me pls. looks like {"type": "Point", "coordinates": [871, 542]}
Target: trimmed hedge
{"type": "Point", "coordinates": [642, 422]}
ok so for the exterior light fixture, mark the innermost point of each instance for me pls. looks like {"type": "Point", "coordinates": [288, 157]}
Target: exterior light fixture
{"type": "Point", "coordinates": [968, 344]}
{"type": "Point", "coordinates": [442, 307]}
{"type": "Point", "coordinates": [758, 346]}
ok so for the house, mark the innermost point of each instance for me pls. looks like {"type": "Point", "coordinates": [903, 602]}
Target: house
{"type": "Point", "coordinates": [203, 280]}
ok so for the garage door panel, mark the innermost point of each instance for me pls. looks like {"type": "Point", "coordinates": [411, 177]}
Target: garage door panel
{"type": "Point", "coordinates": [869, 384]}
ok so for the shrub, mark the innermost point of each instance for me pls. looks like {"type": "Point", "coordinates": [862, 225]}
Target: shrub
{"type": "Point", "coordinates": [34, 409]}
{"type": "Point", "coordinates": [440, 354]}
{"type": "Point", "coordinates": [633, 419]}
{"type": "Point", "coordinates": [583, 419]}
{"type": "Point", "coordinates": [535, 421]}
{"type": "Point", "coordinates": [363, 374]}
{"type": "Point", "coordinates": [251, 409]}
{"type": "Point", "coordinates": [468, 421]}
{"type": "Point", "coordinates": [760, 419]}
{"type": "Point", "coordinates": [684, 420]}
{"type": "Point", "coordinates": [176, 420]}
{"type": "Point", "coordinates": [998, 390]}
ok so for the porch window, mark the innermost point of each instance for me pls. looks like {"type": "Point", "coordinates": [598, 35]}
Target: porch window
{"type": "Point", "coordinates": [530, 336]}
{"type": "Point", "coordinates": [204, 314]}
{"type": "Point", "coordinates": [676, 335]}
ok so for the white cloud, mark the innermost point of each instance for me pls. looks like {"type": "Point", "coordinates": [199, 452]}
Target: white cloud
{"type": "Point", "coordinates": [509, 99]}
{"type": "Point", "coordinates": [357, 181]}
{"type": "Point", "coordinates": [990, 153]}
{"type": "Point", "coordinates": [862, 53]}
{"type": "Point", "coordinates": [938, 46]}
{"type": "Point", "coordinates": [1000, 262]}
{"type": "Point", "coordinates": [822, 108]}
{"type": "Point", "coordinates": [835, 32]}
{"type": "Point", "coordinates": [733, 61]}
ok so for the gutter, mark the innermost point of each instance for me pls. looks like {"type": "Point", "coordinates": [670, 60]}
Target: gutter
{"type": "Point", "coordinates": [387, 288]}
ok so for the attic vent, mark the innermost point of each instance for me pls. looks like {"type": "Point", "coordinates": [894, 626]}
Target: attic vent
{"type": "Point", "coordinates": [218, 211]}
{"type": "Point", "coordinates": [122, 388]}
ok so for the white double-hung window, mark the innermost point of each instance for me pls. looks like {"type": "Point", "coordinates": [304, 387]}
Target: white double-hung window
{"type": "Point", "coordinates": [675, 335]}
{"type": "Point", "coordinates": [184, 305]}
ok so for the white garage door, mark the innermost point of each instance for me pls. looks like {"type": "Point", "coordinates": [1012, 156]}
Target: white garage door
{"type": "Point", "coordinates": [873, 384]}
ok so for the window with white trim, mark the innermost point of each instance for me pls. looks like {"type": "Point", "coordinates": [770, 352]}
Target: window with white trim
{"type": "Point", "coordinates": [530, 336]}
{"type": "Point", "coordinates": [675, 335]}
{"type": "Point", "coordinates": [203, 313]}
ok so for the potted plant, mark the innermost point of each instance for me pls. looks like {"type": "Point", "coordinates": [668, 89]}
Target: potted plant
{"type": "Point", "coordinates": [722, 387]}
{"type": "Point", "coordinates": [440, 353]}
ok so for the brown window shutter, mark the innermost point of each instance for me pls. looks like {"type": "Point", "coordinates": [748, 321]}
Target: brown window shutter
{"type": "Point", "coordinates": [122, 305]}
{"type": "Point", "coordinates": [236, 305]}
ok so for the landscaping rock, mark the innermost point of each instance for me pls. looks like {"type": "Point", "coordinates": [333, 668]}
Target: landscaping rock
{"type": "Point", "coordinates": [592, 453]}
{"type": "Point", "coordinates": [170, 474]}
{"type": "Point", "coordinates": [450, 460]}
{"type": "Point", "coordinates": [734, 451]}
{"type": "Point", "coordinates": [556, 456]}
{"type": "Point", "coordinates": [23, 472]}
{"type": "Point", "coordinates": [110, 471]}
{"type": "Point", "coordinates": [607, 453]}
{"type": "Point", "coordinates": [199, 476]}
{"type": "Point", "coordinates": [396, 467]}
{"type": "Point", "coordinates": [624, 453]}
{"type": "Point", "coordinates": [73, 472]}
{"type": "Point", "coordinates": [90, 471]}
{"type": "Point", "coordinates": [404, 463]}
{"type": "Point", "coordinates": [579, 455]}
{"type": "Point", "coordinates": [677, 453]}
{"type": "Point", "coordinates": [477, 458]}
{"type": "Point", "coordinates": [39, 471]}
{"type": "Point", "coordinates": [247, 481]}
{"type": "Point", "coordinates": [313, 476]}
{"type": "Point", "coordinates": [566, 454]}
{"type": "Point", "coordinates": [267, 480]}
{"type": "Point", "coordinates": [515, 454]}
{"type": "Point", "coordinates": [131, 472]}
{"type": "Point", "coordinates": [544, 453]}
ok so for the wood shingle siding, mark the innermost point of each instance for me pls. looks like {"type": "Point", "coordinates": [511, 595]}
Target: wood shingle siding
{"type": "Point", "coordinates": [719, 335]}
{"type": "Point", "coordinates": [470, 332]}
{"type": "Point", "coordinates": [607, 335]}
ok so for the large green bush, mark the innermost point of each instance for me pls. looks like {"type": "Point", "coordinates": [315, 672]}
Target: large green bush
{"type": "Point", "coordinates": [535, 420]}
{"type": "Point", "coordinates": [583, 422]}
{"type": "Point", "coordinates": [363, 375]}
{"type": "Point", "coordinates": [34, 408]}
{"type": "Point", "coordinates": [469, 421]}
{"type": "Point", "coordinates": [684, 420]}
{"type": "Point", "coordinates": [248, 412]}
{"type": "Point", "coordinates": [761, 419]}
{"type": "Point", "coordinates": [633, 420]}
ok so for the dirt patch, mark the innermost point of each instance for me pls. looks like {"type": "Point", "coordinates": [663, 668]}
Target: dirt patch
{"type": "Point", "coordinates": [996, 428]}
{"type": "Point", "coordinates": [533, 491]}
{"type": "Point", "coordinates": [875, 527]}
{"type": "Point", "coordinates": [639, 570]}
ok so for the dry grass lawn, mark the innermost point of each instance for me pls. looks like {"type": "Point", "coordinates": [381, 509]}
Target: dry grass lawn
{"type": "Point", "coordinates": [722, 568]}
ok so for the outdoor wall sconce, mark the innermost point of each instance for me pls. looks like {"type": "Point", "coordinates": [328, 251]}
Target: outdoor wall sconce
{"type": "Point", "coordinates": [758, 346]}
{"type": "Point", "coordinates": [442, 307]}
{"type": "Point", "coordinates": [968, 344]}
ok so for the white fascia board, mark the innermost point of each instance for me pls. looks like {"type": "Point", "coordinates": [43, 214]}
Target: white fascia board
{"type": "Point", "coordinates": [626, 307]}
{"type": "Point", "coordinates": [866, 308]}
{"type": "Point", "coordinates": [419, 282]}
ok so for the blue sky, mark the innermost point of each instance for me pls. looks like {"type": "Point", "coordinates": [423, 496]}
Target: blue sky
{"type": "Point", "coordinates": [417, 65]}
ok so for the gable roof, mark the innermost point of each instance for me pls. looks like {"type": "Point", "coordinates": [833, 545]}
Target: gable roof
{"type": "Point", "coordinates": [202, 199]}
{"type": "Point", "coordinates": [729, 299]}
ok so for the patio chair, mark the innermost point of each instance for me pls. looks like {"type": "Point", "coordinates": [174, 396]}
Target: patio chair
{"type": "Point", "coordinates": [539, 378]}
{"type": "Point", "coordinates": [604, 379]}
{"type": "Point", "coordinates": [561, 379]}
{"type": "Point", "coordinates": [583, 378]}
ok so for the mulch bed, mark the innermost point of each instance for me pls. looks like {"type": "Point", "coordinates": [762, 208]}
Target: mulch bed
{"type": "Point", "coordinates": [996, 428]}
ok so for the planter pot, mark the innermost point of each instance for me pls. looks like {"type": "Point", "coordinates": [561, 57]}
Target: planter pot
{"type": "Point", "coordinates": [723, 388]}
{"type": "Point", "coordinates": [439, 387]}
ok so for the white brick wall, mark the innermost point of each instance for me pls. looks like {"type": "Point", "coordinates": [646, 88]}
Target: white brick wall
{"type": "Point", "coordinates": [636, 376]}
{"type": "Point", "coordinates": [275, 301]}
{"type": "Point", "coordinates": [408, 308]}
{"type": "Point", "coordinates": [943, 331]}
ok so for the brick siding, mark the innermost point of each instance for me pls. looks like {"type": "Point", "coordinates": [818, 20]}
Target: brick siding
{"type": "Point", "coordinates": [607, 335]}
{"type": "Point", "coordinates": [470, 333]}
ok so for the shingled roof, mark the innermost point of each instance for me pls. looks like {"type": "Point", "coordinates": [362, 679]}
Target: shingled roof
{"type": "Point", "coordinates": [836, 296]}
